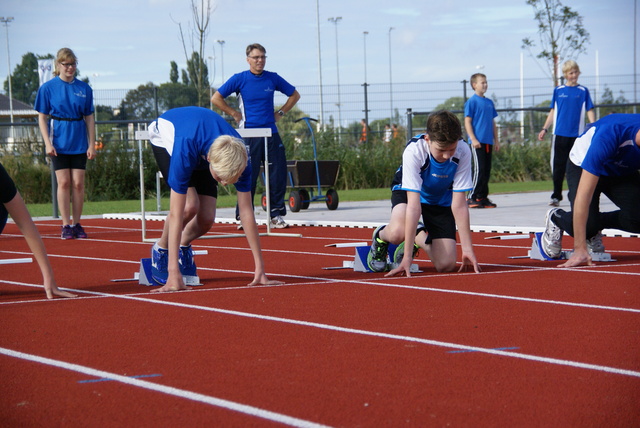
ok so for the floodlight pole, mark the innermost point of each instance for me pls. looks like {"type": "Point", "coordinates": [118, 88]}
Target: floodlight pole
{"type": "Point", "coordinates": [6, 22]}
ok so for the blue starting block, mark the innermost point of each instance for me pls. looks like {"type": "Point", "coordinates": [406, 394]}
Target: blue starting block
{"type": "Point", "coordinates": [359, 262]}
{"type": "Point", "coordinates": [144, 274]}
{"type": "Point", "coordinates": [537, 253]}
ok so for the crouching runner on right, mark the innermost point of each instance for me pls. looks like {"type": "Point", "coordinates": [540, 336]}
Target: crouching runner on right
{"type": "Point", "coordinates": [432, 181]}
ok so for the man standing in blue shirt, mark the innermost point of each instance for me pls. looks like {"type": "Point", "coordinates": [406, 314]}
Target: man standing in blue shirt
{"type": "Point", "coordinates": [256, 88]}
{"type": "Point", "coordinates": [479, 115]}
{"type": "Point", "coordinates": [604, 160]}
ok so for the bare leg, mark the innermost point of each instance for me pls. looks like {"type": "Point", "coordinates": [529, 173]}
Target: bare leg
{"type": "Point", "coordinates": [63, 176]}
{"type": "Point", "coordinates": [77, 177]}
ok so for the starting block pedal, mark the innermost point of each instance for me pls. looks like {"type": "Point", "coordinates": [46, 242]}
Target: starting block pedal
{"type": "Point", "coordinates": [359, 262]}
{"type": "Point", "coordinates": [144, 274]}
{"type": "Point", "coordinates": [536, 252]}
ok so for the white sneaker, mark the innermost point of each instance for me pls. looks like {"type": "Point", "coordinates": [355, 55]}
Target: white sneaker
{"type": "Point", "coordinates": [278, 222]}
{"type": "Point", "coordinates": [594, 244]}
{"type": "Point", "coordinates": [552, 236]}
{"type": "Point", "coordinates": [554, 202]}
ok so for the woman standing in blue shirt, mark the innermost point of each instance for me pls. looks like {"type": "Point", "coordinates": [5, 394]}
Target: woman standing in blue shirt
{"type": "Point", "coordinates": [67, 125]}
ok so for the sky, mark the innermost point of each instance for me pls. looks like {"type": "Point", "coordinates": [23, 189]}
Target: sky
{"type": "Point", "coordinates": [121, 44]}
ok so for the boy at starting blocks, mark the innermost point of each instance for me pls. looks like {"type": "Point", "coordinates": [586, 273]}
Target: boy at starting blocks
{"type": "Point", "coordinates": [432, 181]}
{"type": "Point", "coordinates": [196, 149]}
{"type": "Point", "coordinates": [604, 160]}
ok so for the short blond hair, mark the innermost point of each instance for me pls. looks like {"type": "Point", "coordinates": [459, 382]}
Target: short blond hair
{"type": "Point", "coordinates": [570, 65]}
{"type": "Point", "coordinates": [228, 158]}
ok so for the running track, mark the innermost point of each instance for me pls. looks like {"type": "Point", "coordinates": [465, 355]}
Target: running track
{"type": "Point", "coordinates": [521, 344]}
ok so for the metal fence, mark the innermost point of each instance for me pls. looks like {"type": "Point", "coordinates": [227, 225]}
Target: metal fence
{"type": "Point", "coordinates": [516, 101]}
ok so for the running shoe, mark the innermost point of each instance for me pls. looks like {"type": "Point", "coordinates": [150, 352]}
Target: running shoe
{"type": "Point", "coordinates": [159, 264]}
{"type": "Point", "coordinates": [554, 202]}
{"type": "Point", "coordinates": [78, 231]}
{"type": "Point", "coordinates": [398, 255]}
{"type": "Point", "coordinates": [377, 257]}
{"type": "Point", "coordinates": [594, 244]}
{"type": "Point", "coordinates": [487, 203]}
{"type": "Point", "coordinates": [278, 222]}
{"type": "Point", "coordinates": [185, 261]}
{"type": "Point", "coordinates": [473, 203]}
{"type": "Point", "coordinates": [552, 236]}
{"type": "Point", "coordinates": [67, 232]}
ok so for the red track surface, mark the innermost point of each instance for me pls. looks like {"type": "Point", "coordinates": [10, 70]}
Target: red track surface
{"type": "Point", "coordinates": [521, 344]}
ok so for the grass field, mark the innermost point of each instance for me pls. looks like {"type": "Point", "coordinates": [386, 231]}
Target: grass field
{"type": "Point", "coordinates": [225, 201]}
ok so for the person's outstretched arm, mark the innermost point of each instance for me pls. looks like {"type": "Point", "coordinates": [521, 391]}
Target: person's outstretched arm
{"type": "Point", "coordinates": [20, 215]}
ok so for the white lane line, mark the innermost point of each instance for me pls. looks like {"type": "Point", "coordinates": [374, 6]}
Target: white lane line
{"type": "Point", "coordinates": [176, 392]}
{"type": "Point", "coordinates": [456, 346]}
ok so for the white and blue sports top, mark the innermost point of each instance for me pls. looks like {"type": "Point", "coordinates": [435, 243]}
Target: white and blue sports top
{"type": "Point", "coordinates": [187, 133]}
{"type": "Point", "coordinates": [67, 103]}
{"type": "Point", "coordinates": [570, 105]}
{"type": "Point", "coordinates": [608, 147]}
{"type": "Point", "coordinates": [256, 93]}
{"type": "Point", "coordinates": [435, 181]}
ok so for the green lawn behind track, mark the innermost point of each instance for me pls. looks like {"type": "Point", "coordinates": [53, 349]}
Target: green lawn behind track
{"type": "Point", "coordinates": [225, 201]}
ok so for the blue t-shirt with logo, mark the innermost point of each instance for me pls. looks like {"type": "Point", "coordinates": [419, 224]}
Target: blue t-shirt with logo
{"type": "Point", "coordinates": [67, 103]}
{"type": "Point", "coordinates": [570, 105]}
{"type": "Point", "coordinates": [256, 93]}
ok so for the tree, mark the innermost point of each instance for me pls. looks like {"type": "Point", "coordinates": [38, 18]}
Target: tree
{"type": "Point", "coordinates": [173, 74]}
{"type": "Point", "coordinates": [562, 35]}
{"type": "Point", "coordinates": [24, 79]}
{"type": "Point", "coordinates": [607, 98]}
{"type": "Point", "coordinates": [139, 103]}
{"type": "Point", "coordinates": [197, 69]}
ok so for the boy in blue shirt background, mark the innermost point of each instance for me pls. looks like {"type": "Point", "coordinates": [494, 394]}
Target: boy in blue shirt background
{"type": "Point", "coordinates": [479, 115]}
{"type": "Point", "coordinates": [569, 105]}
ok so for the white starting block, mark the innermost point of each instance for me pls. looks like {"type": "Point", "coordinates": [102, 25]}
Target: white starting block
{"type": "Point", "coordinates": [143, 276]}
{"type": "Point", "coordinates": [536, 252]}
{"type": "Point", "coordinates": [359, 262]}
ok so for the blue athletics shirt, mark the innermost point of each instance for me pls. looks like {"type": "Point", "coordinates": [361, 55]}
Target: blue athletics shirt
{"type": "Point", "coordinates": [570, 105]}
{"type": "Point", "coordinates": [67, 104]}
{"type": "Point", "coordinates": [256, 97]}
{"type": "Point", "coordinates": [482, 112]}
{"type": "Point", "coordinates": [609, 148]}
{"type": "Point", "coordinates": [187, 133]}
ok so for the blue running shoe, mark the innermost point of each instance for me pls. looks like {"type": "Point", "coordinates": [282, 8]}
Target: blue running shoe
{"type": "Point", "coordinates": [159, 264]}
{"type": "Point", "coordinates": [187, 265]}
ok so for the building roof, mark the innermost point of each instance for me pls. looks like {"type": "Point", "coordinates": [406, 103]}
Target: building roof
{"type": "Point", "coordinates": [20, 109]}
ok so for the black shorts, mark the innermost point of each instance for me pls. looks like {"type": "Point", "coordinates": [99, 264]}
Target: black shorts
{"type": "Point", "coordinates": [8, 191]}
{"type": "Point", "coordinates": [69, 161]}
{"type": "Point", "coordinates": [201, 179]}
{"type": "Point", "coordinates": [438, 220]}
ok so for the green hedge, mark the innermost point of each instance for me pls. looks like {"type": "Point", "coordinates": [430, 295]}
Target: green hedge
{"type": "Point", "coordinates": [114, 174]}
